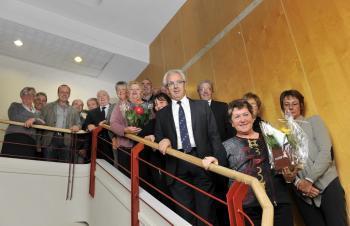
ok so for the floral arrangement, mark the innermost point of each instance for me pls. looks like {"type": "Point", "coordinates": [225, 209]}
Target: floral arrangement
{"type": "Point", "coordinates": [287, 147]}
{"type": "Point", "coordinates": [137, 116]}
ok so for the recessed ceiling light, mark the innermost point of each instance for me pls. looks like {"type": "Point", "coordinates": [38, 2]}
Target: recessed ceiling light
{"type": "Point", "coordinates": [18, 43]}
{"type": "Point", "coordinates": [78, 59]}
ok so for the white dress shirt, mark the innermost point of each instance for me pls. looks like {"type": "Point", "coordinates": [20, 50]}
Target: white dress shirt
{"type": "Point", "coordinates": [106, 109]}
{"type": "Point", "coordinates": [175, 108]}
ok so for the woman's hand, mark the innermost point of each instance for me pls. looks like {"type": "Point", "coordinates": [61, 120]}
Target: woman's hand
{"type": "Point", "coordinates": [208, 160]}
{"type": "Point", "coordinates": [29, 122]}
{"type": "Point", "coordinates": [132, 129]}
{"type": "Point", "coordinates": [307, 188]}
{"type": "Point", "coordinates": [289, 175]}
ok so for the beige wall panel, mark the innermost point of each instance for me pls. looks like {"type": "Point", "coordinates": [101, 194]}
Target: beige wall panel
{"type": "Point", "coordinates": [272, 56]}
{"type": "Point", "coordinates": [322, 33]}
{"type": "Point", "coordinates": [203, 19]}
{"type": "Point", "coordinates": [157, 62]}
{"type": "Point", "coordinates": [231, 72]}
{"type": "Point", "coordinates": [172, 47]}
{"type": "Point", "coordinates": [201, 70]}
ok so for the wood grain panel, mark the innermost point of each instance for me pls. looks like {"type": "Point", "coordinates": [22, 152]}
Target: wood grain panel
{"type": "Point", "coordinates": [231, 73]}
{"type": "Point", "coordinates": [172, 47]}
{"type": "Point", "coordinates": [322, 34]}
{"type": "Point", "coordinates": [272, 57]}
{"type": "Point", "coordinates": [201, 70]}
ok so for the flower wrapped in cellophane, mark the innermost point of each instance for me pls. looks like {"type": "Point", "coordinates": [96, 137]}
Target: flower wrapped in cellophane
{"type": "Point", "coordinates": [137, 115]}
{"type": "Point", "coordinates": [287, 147]}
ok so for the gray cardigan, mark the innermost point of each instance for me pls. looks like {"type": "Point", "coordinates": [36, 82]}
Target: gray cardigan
{"type": "Point", "coordinates": [320, 167]}
{"type": "Point", "coordinates": [18, 113]}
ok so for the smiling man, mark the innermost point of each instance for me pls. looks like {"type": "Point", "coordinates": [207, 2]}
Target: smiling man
{"type": "Point", "coordinates": [189, 126]}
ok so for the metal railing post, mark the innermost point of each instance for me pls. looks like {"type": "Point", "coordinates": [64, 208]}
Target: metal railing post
{"type": "Point", "coordinates": [135, 205]}
{"type": "Point", "coordinates": [95, 133]}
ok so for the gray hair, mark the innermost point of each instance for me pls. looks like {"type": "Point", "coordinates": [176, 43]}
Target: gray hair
{"type": "Point", "coordinates": [120, 83]}
{"type": "Point", "coordinates": [27, 90]}
{"type": "Point", "coordinates": [171, 72]}
{"type": "Point", "coordinates": [205, 82]}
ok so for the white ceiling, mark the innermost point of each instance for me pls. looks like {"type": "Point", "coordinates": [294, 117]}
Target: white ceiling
{"type": "Point", "coordinates": [112, 36]}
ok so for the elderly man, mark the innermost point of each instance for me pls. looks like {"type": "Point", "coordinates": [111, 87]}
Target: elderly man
{"type": "Point", "coordinates": [147, 90]}
{"type": "Point", "coordinates": [96, 117]}
{"type": "Point", "coordinates": [205, 90]}
{"type": "Point", "coordinates": [189, 126]}
{"type": "Point", "coordinates": [61, 115]}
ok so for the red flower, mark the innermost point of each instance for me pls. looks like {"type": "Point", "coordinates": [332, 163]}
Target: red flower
{"type": "Point", "coordinates": [138, 110]}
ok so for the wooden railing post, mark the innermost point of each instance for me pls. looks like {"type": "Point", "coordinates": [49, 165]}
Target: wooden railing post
{"type": "Point", "coordinates": [94, 135]}
{"type": "Point", "coordinates": [135, 204]}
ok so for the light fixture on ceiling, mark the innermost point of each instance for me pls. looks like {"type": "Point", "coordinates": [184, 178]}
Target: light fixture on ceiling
{"type": "Point", "coordinates": [78, 59]}
{"type": "Point", "coordinates": [18, 43]}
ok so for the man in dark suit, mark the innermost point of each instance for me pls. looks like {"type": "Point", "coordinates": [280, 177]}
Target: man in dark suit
{"type": "Point", "coordinates": [189, 126]}
{"type": "Point", "coordinates": [205, 91]}
{"type": "Point", "coordinates": [96, 117]}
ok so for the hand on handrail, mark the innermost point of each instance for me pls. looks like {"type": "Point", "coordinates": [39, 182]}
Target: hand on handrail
{"type": "Point", "coordinates": [74, 129]}
{"type": "Point", "coordinates": [163, 145]}
{"type": "Point", "coordinates": [208, 160]}
{"type": "Point", "coordinates": [29, 122]}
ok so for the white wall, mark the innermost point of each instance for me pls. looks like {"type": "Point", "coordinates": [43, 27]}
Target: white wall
{"type": "Point", "coordinates": [16, 74]}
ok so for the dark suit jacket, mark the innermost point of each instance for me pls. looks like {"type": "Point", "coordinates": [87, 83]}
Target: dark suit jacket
{"type": "Point", "coordinates": [95, 116]}
{"type": "Point", "coordinates": [224, 126]}
{"type": "Point", "coordinates": [205, 133]}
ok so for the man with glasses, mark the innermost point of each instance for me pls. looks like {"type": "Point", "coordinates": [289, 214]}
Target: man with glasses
{"type": "Point", "coordinates": [189, 126]}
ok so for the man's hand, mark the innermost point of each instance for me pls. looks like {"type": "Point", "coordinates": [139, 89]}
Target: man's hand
{"type": "Point", "coordinates": [132, 129]}
{"type": "Point", "coordinates": [208, 160]}
{"type": "Point", "coordinates": [91, 127]}
{"type": "Point", "coordinates": [163, 145]}
{"type": "Point", "coordinates": [102, 122]}
{"type": "Point", "coordinates": [307, 188]}
{"type": "Point", "coordinates": [74, 128]}
{"type": "Point", "coordinates": [29, 122]}
{"type": "Point", "coordinates": [150, 138]}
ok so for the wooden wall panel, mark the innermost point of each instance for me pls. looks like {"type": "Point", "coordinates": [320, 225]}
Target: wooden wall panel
{"type": "Point", "coordinates": [231, 70]}
{"type": "Point", "coordinates": [157, 61]}
{"type": "Point", "coordinates": [322, 35]}
{"type": "Point", "coordinates": [272, 57]}
{"type": "Point", "coordinates": [172, 47]}
{"type": "Point", "coordinates": [203, 19]}
{"type": "Point", "coordinates": [201, 70]}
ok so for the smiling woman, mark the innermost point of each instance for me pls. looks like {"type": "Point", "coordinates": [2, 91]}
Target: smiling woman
{"type": "Point", "coordinates": [247, 153]}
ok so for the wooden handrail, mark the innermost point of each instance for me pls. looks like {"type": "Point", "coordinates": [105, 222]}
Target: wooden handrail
{"type": "Point", "coordinates": [54, 129]}
{"type": "Point", "coordinates": [258, 189]}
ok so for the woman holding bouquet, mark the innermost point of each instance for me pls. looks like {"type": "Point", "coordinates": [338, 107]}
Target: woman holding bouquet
{"type": "Point", "coordinates": [124, 120]}
{"type": "Point", "coordinates": [247, 153]}
{"type": "Point", "coordinates": [319, 194]}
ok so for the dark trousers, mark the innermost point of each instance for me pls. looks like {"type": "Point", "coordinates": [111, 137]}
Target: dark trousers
{"type": "Point", "coordinates": [18, 145]}
{"type": "Point", "coordinates": [197, 202]}
{"type": "Point", "coordinates": [57, 149]}
{"type": "Point", "coordinates": [332, 211]}
{"type": "Point", "coordinates": [283, 215]}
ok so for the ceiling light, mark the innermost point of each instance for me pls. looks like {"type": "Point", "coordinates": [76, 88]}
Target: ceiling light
{"type": "Point", "coordinates": [78, 59]}
{"type": "Point", "coordinates": [18, 43]}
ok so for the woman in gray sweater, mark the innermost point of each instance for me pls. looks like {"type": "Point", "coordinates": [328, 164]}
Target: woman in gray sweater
{"type": "Point", "coordinates": [319, 195]}
{"type": "Point", "coordinates": [20, 141]}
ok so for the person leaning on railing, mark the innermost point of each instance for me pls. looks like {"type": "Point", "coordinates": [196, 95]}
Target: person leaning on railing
{"type": "Point", "coordinates": [20, 141]}
{"type": "Point", "coordinates": [247, 153]}
{"type": "Point", "coordinates": [319, 195]}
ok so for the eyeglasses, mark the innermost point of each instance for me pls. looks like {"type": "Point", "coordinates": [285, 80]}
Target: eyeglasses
{"type": "Point", "coordinates": [171, 85]}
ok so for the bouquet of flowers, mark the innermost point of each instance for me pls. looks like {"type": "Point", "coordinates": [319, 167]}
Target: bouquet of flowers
{"type": "Point", "coordinates": [137, 116]}
{"type": "Point", "coordinates": [286, 148]}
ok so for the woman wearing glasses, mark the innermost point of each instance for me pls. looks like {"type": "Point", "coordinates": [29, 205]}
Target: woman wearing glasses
{"type": "Point", "coordinates": [319, 194]}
